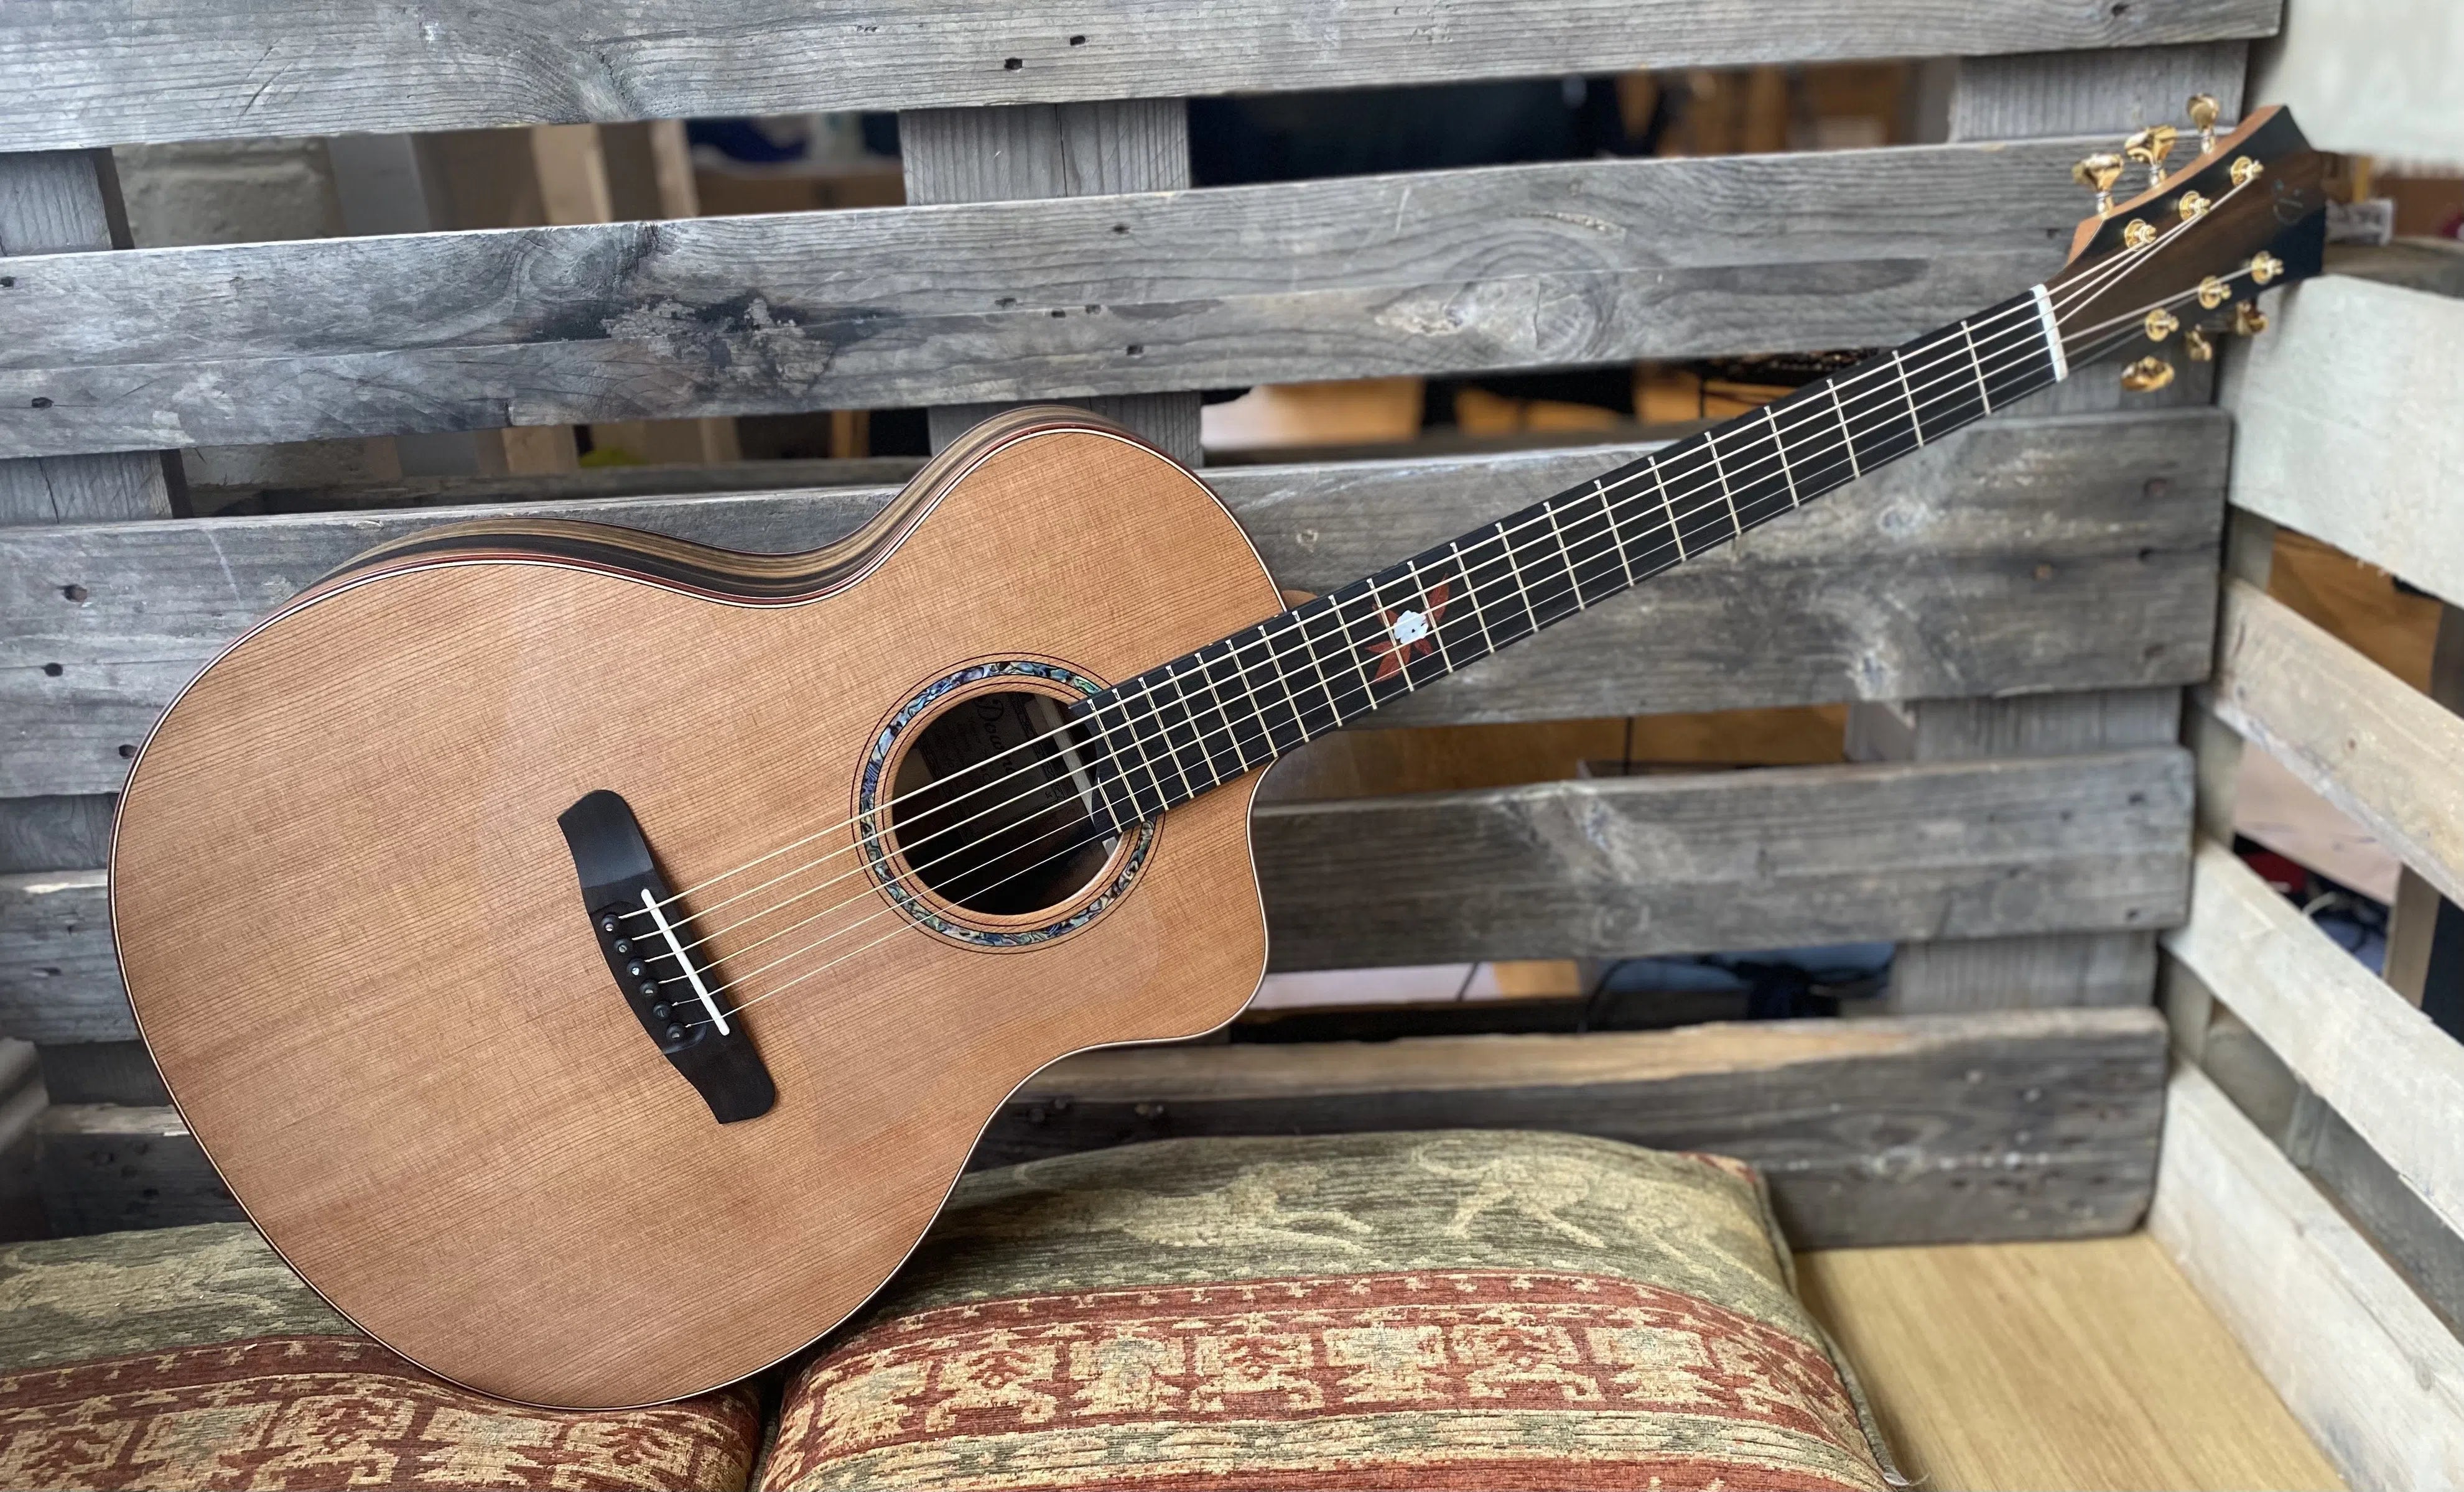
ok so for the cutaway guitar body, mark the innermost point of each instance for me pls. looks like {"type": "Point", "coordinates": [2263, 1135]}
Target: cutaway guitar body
{"type": "Point", "coordinates": [365, 967]}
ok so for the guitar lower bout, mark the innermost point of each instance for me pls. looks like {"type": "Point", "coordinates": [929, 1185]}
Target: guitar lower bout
{"type": "Point", "coordinates": [371, 967]}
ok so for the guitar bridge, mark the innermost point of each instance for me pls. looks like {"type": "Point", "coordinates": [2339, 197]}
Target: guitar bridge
{"type": "Point", "coordinates": [672, 993]}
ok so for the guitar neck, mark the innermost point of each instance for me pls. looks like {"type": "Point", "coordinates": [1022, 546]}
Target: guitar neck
{"type": "Point", "coordinates": [1209, 716]}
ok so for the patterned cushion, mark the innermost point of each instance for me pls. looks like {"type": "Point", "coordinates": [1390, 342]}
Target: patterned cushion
{"type": "Point", "coordinates": [193, 1357]}
{"type": "Point", "coordinates": [1465, 1309]}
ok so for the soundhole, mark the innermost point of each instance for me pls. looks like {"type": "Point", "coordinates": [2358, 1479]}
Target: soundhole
{"type": "Point", "coordinates": [993, 812]}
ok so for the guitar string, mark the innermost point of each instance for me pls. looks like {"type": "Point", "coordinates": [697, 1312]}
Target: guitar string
{"type": "Point", "coordinates": [1201, 735]}
{"type": "Point", "coordinates": [1655, 555]}
{"type": "Point", "coordinates": [1591, 556]}
{"type": "Point", "coordinates": [922, 841]}
{"type": "Point", "coordinates": [905, 926]}
{"type": "Point", "coordinates": [2087, 287]}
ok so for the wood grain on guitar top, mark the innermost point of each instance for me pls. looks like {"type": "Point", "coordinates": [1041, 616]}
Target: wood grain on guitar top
{"type": "Point", "coordinates": [354, 940]}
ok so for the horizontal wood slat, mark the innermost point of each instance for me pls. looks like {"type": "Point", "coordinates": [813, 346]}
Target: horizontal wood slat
{"type": "Point", "coordinates": [2036, 1125]}
{"type": "Point", "coordinates": [2369, 1371]}
{"type": "Point", "coordinates": [75, 73]}
{"type": "Point", "coordinates": [2026, 554]}
{"type": "Point", "coordinates": [2012, 1125]}
{"type": "Point", "coordinates": [2374, 1058]}
{"type": "Point", "coordinates": [1761, 859]}
{"type": "Point", "coordinates": [1630, 866]}
{"type": "Point", "coordinates": [2346, 425]}
{"type": "Point", "coordinates": [2384, 753]}
{"type": "Point", "coordinates": [1509, 267]}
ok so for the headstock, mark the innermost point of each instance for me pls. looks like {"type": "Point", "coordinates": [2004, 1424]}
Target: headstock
{"type": "Point", "coordinates": [2183, 263]}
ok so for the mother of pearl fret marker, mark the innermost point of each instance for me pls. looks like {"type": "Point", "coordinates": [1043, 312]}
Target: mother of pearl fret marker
{"type": "Point", "coordinates": [863, 837]}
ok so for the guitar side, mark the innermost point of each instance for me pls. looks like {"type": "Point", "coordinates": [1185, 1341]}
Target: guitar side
{"type": "Point", "coordinates": [356, 945]}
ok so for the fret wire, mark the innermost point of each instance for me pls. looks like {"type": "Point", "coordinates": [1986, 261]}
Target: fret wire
{"type": "Point", "coordinates": [1781, 445]}
{"type": "Point", "coordinates": [1352, 645]}
{"type": "Point", "coordinates": [1155, 785]}
{"type": "Point", "coordinates": [1429, 613]}
{"type": "Point", "coordinates": [1520, 587]}
{"type": "Point", "coordinates": [1163, 728]}
{"type": "Point", "coordinates": [1845, 439]}
{"type": "Point", "coordinates": [1394, 645]}
{"type": "Point", "coordinates": [1659, 474]}
{"type": "Point", "coordinates": [1292, 702]}
{"type": "Point", "coordinates": [1977, 366]}
{"type": "Point", "coordinates": [1719, 473]}
{"type": "Point", "coordinates": [1915, 424]}
{"type": "Point", "coordinates": [1308, 646]}
{"type": "Point", "coordinates": [1471, 589]}
{"type": "Point", "coordinates": [1573, 579]}
{"type": "Point", "coordinates": [1215, 702]}
{"type": "Point", "coordinates": [1248, 710]}
{"type": "Point", "coordinates": [1616, 538]}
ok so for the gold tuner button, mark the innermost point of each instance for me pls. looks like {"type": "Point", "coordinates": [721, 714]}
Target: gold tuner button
{"type": "Point", "coordinates": [2194, 341]}
{"type": "Point", "coordinates": [2265, 268]}
{"type": "Point", "coordinates": [2245, 170]}
{"type": "Point", "coordinates": [2213, 294]}
{"type": "Point", "coordinates": [2099, 171]}
{"type": "Point", "coordinates": [2162, 324]}
{"type": "Point", "coordinates": [2248, 319]}
{"type": "Point", "coordinates": [2146, 374]}
{"type": "Point", "coordinates": [2150, 147]}
{"type": "Point", "coordinates": [2204, 111]}
{"type": "Point", "coordinates": [2139, 233]}
{"type": "Point", "coordinates": [2191, 205]}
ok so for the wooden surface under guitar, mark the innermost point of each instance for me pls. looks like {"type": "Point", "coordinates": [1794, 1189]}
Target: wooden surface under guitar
{"type": "Point", "coordinates": [485, 1163]}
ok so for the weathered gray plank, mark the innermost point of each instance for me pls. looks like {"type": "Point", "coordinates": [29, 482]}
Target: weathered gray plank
{"type": "Point", "coordinates": [2027, 97]}
{"type": "Point", "coordinates": [2026, 1124]}
{"type": "Point", "coordinates": [1958, 1129]}
{"type": "Point", "coordinates": [2024, 554]}
{"type": "Point", "coordinates": [1609, 868]}
{"type": "Point", "coordinates": [101, 1072]}
{"type": "Point", "coordinates": [2369, 1372]}
{"type": "Point", "coordinates": [60, 981]}
{"type": "Point", "coordinates": [49, 833]}
{"type": "Point", "coordinates": [2345, 412]}
{"type": "Point", "coordinates": [102, 1168]}
{"type": "Point", "coordinates": [1770, 858]}
{"type": "Point", "coordinates": [2380, 750]}
{"type": "Point", "coordinates": [666, 480]}
{"type": "Point", "coordinates": [1512, 267]}
{"type": "Point", "coordinates": [2354, 1041]}
{"type": "Point", "coordinates": [164, 69]}
{"type": "Point", "coordinates": [1036, 152]}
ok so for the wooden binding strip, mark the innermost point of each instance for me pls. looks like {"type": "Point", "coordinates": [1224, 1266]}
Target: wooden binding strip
{"type": "Point", "coordinates": [2029, 553]}
{"type": "Point", "coordinates": [2013, 1125]}
{"type": "Point", "coordinates": [2374, 1059]}
{"type": "Point", "coordinates": [1619, 866]}
{"type": "Point", "coordinates": [2383, 751]}
{"type": "Point", "coordinates": [165, 69]}
{"type": "Point", "coordinates": [2373, 1376]}
{"type": "Point", "coordinates": [1516, 267]}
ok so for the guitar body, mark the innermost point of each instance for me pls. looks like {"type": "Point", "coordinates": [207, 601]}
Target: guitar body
{"type": "Point", "coordinates": [357, 945]}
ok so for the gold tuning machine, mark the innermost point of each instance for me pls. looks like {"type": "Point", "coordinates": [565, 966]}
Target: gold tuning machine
{"type": "Point", "coordinates": [2191, 205]}
{"type": "Point", "coordinates": [2265, 267]}
{"type": "Point", "coordinates": [2213, 292]}
{"type": "Point", "coordinates": [2150, 147]}
{"type": "Point", "coordinates": [2204, 111]}
{"type": "Point", "coordinates": [2194, 341]}
{"type": "Point", "coordinates": [2248, 319]}
{"type": "Point", "coordinates": [2147, 375]}
{"type": "Point", "coordinates": [2099, 171]}
{"type": "Point", "coordinates": [2161, 323]}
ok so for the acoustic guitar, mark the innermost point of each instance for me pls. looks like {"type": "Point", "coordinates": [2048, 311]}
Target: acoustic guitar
{"type": "Point", "coordinates": [590, 957]}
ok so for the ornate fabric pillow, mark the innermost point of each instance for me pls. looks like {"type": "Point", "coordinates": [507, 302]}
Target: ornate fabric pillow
{"type": "Point", "coordinates": [193, 1357]}
{"type": "Point", "coordinates": [1465, 1309]}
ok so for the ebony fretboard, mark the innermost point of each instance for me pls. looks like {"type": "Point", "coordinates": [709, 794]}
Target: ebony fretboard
{"type": "Point", "coordinates": [1208, 717]}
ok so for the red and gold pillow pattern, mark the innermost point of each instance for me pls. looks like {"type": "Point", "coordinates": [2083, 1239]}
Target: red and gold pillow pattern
{"type": "Point", "coordinates": [193, 1357]}
{"type": "Point", "coordinates": [1469, 1309]}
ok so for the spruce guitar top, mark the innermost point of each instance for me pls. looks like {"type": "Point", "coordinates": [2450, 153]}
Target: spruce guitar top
{"type": "Point", "coordinates": [590, 957]}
